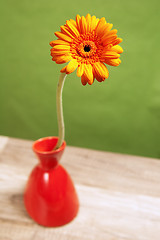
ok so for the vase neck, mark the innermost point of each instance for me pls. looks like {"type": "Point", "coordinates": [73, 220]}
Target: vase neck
{"type": "Point", "coordinates": [48, 157]}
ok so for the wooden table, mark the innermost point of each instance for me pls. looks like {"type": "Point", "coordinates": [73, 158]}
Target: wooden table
{"type": "Point", "coordinates": [119, 195]}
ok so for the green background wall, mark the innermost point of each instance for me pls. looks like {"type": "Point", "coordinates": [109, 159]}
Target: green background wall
{"type": "Point", "coordinates": [120, 115]}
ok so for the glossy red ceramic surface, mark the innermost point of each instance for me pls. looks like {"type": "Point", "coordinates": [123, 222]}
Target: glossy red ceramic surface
{"type": "Point", "coordinates": [50, 197]}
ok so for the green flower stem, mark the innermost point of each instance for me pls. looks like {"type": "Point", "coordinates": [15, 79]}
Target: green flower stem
{"type": "Point", "coordinates": [61, 128]}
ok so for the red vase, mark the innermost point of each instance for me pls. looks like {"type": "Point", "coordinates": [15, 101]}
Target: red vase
{"type": "Point", "coordinates": [50, 197]}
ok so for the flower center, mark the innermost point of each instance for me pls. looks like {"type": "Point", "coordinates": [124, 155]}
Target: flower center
{"type": "Point", "coordinates": [87, 48]}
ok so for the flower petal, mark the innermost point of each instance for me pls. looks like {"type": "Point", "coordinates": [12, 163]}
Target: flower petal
{"type": "Point", "coordinates": [80, 70]}
{"type": "Point", "coordinates": [105, 70]}
{"type": "Point", "coordinates": [63, 70]}
{"type": "Point", "coordinates": [72, 29]}
{"type": "Point", "coordinates": [99, 79]}
{"type": "Point", "coordinates": [110, 33]}
{"type": "Point", "coordinates": [63, 37]}
{"type": "Point", "coordinates": [117, 41]}
{"type": "Point", "coordinates": [113, 62]}
{"type": "Point", "coordinates": [73, 22]}
{"type": "Point", "coordinates": [94, 22]}
{"type": "Point", "coordinates": [105, 29]}
{"type": "Point", "coordinates": [101, 70]}
{"type": "Point", "coordinates": [61, 47]}
{"type": "Point", "coordinates": [62, 52]}
{"type": "Point", "coordinates": [117, 49]}
{"type": "Point", "coordinates": [88, 21]}
{"type": "Point", "coordinates": [72, 65]}
{"type": "Point", "coordinates": [109, 54]}
{"type": "Point", "coordinates": [66, 30]}
{"type": "Point", "coordinates": [63, 59]}
{"type": "Point", "coordinates": [88, 73]}
{"type": "Point", "coordinates": [109, 27]}
{"type": "Point", "coordinates": [109, 40]}
{"type": "Point", "coordinates": [83, 80]}
{"type": "Point", "coordinates": [100, 28]}
{"type": "Point", "coordinates": [59, 53]}
{"type": "Point", "coordinates": [83, 25]}
{"type": "Point", "coordinates": [78, 18]}
{"type": "Point", "coordinates": [58, 42]}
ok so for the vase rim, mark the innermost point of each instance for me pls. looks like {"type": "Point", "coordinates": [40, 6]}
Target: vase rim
{"type": "Point", "coordinates": [62, 147]}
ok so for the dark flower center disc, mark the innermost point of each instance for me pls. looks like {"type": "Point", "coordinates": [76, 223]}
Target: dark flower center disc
{"type": "Point", "coordinates": [87, 48]}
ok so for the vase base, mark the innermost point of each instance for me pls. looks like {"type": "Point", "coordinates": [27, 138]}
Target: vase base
{"type": "Point", "coordinates": [50, 197]}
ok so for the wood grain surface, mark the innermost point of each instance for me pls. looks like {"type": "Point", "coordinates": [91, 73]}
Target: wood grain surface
{"type": "Point", "coordinates": [119, 195]}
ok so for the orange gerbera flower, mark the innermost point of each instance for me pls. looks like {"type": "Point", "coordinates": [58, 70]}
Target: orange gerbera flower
{"type": "Point", "coordinates": [87, 44]}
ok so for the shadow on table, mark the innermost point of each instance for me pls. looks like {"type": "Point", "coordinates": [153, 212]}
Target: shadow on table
{"type": "Point", "coordinates": [18, 204]}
